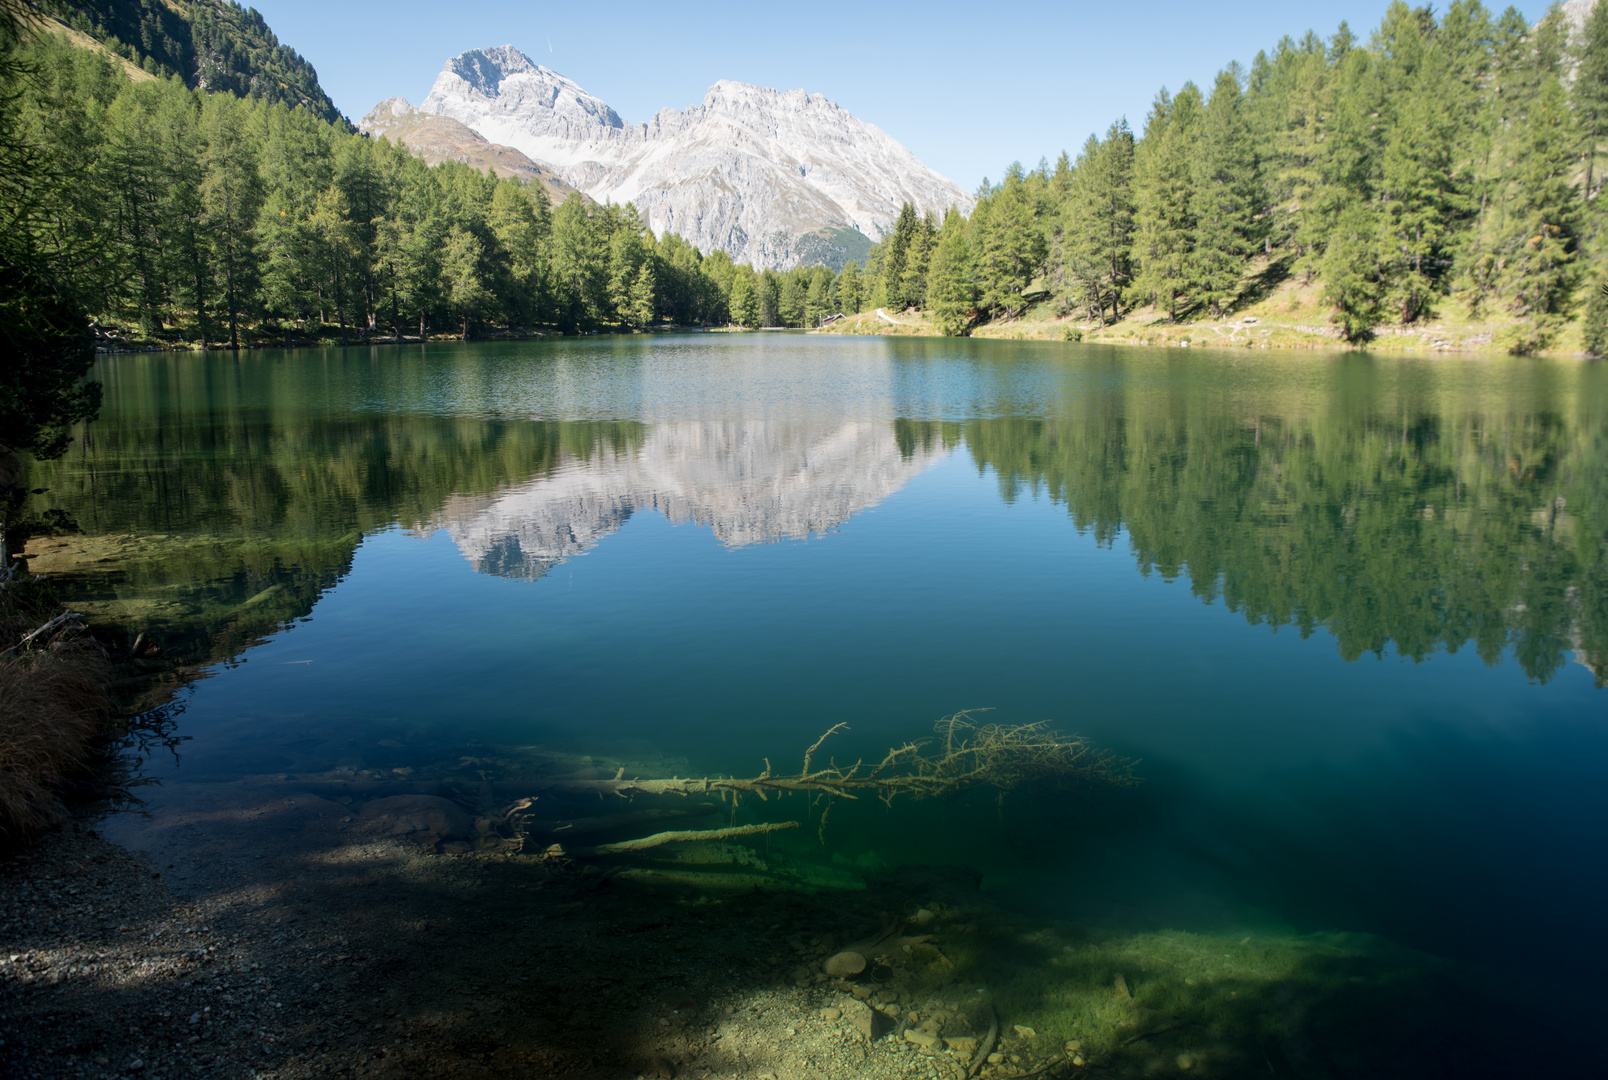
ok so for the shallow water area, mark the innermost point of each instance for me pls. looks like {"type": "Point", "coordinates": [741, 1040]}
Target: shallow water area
{"type": "Point", "coordinates": [1348, 614]}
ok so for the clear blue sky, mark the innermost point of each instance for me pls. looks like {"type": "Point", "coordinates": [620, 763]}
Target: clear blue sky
{"type": "Point", "coordinates": [968, 88]}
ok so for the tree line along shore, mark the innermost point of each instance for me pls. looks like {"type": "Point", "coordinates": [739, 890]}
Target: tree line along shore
{"type": "Point", "coordinates": [1433, 185]}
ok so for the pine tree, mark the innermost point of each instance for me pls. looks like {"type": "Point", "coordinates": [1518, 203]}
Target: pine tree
{"type": "Point", "coordinates": [791, 292]}
{"type": "Point", "coordinates": [850, 289]}
{"type": "Point", "coordinates": [1418, 192]}
{"type": "Point", "coordinates": [1096, 224]}
{"type": "Point", "coordinates": [285, 245]}
{"type": "Point", "coordinates": [1352, 280]}
{"type": "Point", "coordinates": [1591, 93]}
{"type": "Point", "coordinates": [580, 265]}
{"type": "Point", "coordinates": [1007, 245]}
{"type": "Point", "coordinates": [744, 302]}
{"type": "Point", "coordinates": [643, 290]}
{"type": "Point", "coordinates": [818, 297]}
{"type": "Point", "coordinates": [334, 254]}
{"type": "Point", "coordinates": [767, 298]}
{"type": "Point", "coordinates": [1164, 201]}
{"type": "Point", "coordinates": [1225, 199]}
{"type": "Point", "coordinates": [522, 222]}
{"type": "Point", "coordinates": [230, 195]}
{"type": "Point", "coordinates": [627, 253]}
{"type": "Point", "coordinates": [895, 255]}
{"type": "Point", "coordinates": [951, 297]}
{"type": "Point", "coordinates": [1298, 152]}
{"type": "Point", "coordinates": [1536, 248]}
{"type": "Point", "coordinates": [913, 282]}
{"type": "Point", "coordinates": [463, 273]}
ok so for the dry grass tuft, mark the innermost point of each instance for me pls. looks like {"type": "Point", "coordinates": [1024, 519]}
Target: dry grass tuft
{"type": "Point", "coordinates": [53, 706]}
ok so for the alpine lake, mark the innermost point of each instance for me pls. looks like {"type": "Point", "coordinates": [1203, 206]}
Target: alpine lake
{"type": "Point", "coordinates": [1342, 618]}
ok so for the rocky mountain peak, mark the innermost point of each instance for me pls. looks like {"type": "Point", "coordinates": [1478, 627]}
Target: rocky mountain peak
{"type": "Point", "coordinates": [512, 83]}
{"type": "Point", "coordinates": [774, 177]}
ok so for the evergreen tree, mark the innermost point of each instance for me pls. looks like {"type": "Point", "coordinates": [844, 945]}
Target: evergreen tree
{"type": "Point", "coordinates": [1224, 196]}
{"type": "Point", "coordinates": [913, 281]}
{"type": "Point", "coordinates": [1164, 201]}
{"type": "Point", "coordinates": [230, 195]}
{"type": "Point", "coordinates": [580, 265]}
{"type": "Point", "coordinates": [1352, 280]}
{"type": "Point", "coordinates": [1096, 224]}
{"type": "Point", "coordinates": [1536, 247]}
{"type": "Point", "coordinates": [767, 298]}
{"type": "Point", "coordinates": [791, 293]}
{"type": "Point", "coordinates": [951, 297]}
{"type": "Point", "coordinates": [818, 297]}
{"type": "Point", "coordinates": [521, 220]}
{"type": "Point", "coordinates": [850, 289]}
{"type": "Point", "coordinates": [641, 311]}
{"type": "Point", "coordinates": [1418, 189]}
{"type": "Point", "coordinates": [627, 254]}
{"type": "Point", "coordinates": [744, 301]}
{"type": "Point", "coordinates": [464, 275]}
{"type": "Point", "coordinates": [896, 255]}
{"type": "Point", "coordinates": [1008, 245]}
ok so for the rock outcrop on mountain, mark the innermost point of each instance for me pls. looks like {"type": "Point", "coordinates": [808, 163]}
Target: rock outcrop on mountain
{"type": "Point", "coordinates": [441, 138]}
{"type": "Point", "coordinates": [750, 482]}
{"type": "Point", "coordinates": [774, 178]}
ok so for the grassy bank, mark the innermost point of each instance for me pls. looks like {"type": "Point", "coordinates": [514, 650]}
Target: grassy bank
{"type": "Point", "coordinates": [1276, 309]}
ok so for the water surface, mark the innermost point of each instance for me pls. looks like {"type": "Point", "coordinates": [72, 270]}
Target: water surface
{"type": "Point", "coordinates": [1350, 613]}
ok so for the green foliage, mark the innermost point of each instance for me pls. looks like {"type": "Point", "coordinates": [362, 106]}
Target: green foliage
{"type": "Point", "coordinates": [1443, 157]}
{"type": "Point", "coordinates": [208, 217]}
{"type": "Point", "coordinates": [951, 297]}
{"type": "Point", "coordinates": [44, 273]}
{"type": "Point", "coordinates": [1594, 331]}
{"type": "Point", "coordinates": [48, 352]}
{"type": "Point", "coordinates": [1164, 214]}
{"type": "Point", "coordinates": [212, 45]}
{"type": "Point", "coordinates": [1351, 273]}
{"type": "Point", "coordinates": [1224, 196]}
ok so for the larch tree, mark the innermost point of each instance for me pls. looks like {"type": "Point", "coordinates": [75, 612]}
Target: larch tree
{"type": "Point", "coordinates": [1164, 201]}
{"type": "Point", "coordinates": [1225, 196]}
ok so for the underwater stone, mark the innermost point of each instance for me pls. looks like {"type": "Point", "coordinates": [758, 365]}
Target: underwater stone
{"type": "Point", "coordinates": [924, 1039]}
{"type": "Point", "coordinates": [425, 815]}
{"type": "Point", "coordinates": [845, 964]}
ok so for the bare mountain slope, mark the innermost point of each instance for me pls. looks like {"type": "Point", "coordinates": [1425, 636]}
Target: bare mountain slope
{"type": "Point", "coordinates": [441, 138]}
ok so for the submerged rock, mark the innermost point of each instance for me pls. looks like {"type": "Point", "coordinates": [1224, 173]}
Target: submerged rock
{"type": "Point", "coordinates": [845, 964]}
{"type": "Point", "coordinates": [424, 817]}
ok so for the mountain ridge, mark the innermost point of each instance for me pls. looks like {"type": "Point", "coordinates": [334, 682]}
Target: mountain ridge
{"type": "Point", "coordinates": [774, 177]}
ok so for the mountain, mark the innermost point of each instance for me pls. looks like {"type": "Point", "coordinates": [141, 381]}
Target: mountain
{"type": "Point", "coordinates": [441, 138]}
{"type": "Point", "coordinates": [749, 482]}
{"type": "Point", "coordinates": [775, 178]}
{"type": "Point", "coordinates": [210, 44]}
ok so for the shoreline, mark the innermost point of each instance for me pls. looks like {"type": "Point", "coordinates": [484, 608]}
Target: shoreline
{"type": "Point", "coordinates": [1240, 334]}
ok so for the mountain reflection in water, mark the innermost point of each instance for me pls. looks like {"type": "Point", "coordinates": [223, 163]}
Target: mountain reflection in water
{"type": "Point", "coordinates": [749, 482]}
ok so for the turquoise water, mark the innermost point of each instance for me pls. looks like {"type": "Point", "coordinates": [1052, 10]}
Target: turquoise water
{"type": "Point", "coordinates": [1350, 613]}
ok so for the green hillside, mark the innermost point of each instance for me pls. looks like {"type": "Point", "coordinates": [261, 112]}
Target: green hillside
{"type": "Point", "coordinates": [211, 44]}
